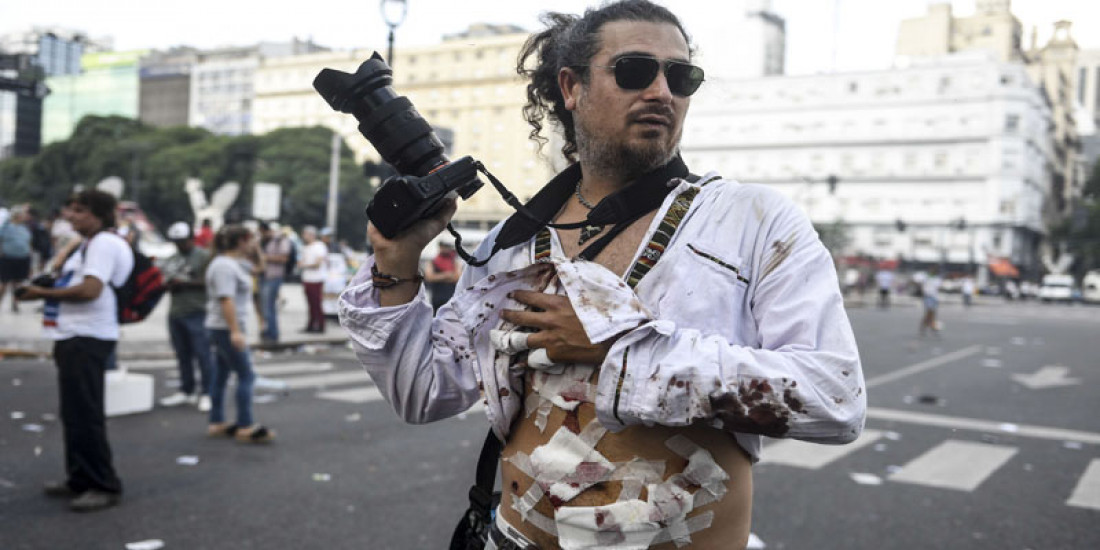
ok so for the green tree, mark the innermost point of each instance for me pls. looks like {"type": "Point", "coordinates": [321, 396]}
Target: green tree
{"type": "Point", "coordinates": [155, 163]}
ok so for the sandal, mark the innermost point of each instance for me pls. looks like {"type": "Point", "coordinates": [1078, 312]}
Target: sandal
{"type": "Point", "coordinates": [256, 434]}
{"type": "Point", "coordinates": [222, 430]}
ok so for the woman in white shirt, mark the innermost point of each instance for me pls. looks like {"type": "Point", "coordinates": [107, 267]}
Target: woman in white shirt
{"type": "Point", "coordinates": [229, 297]}
{"type": "Point", "coordinates": [313, 277]}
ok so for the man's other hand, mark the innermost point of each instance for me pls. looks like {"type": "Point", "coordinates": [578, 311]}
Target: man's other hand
{"type": "Point", "coordinates": [559, 331]}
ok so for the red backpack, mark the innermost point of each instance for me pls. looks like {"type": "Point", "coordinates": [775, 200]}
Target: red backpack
{"type": "Point", "coordinates": [139, 295]}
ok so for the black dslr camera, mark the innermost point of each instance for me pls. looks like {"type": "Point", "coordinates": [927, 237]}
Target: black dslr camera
{"type": "Point", "coordinates": [404, 139]}
{"type": "Point", "coordinates": [44, 280]}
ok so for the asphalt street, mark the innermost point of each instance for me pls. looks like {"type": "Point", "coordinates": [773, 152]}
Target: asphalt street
{"type": "Point", "coordinates": [985, 437]}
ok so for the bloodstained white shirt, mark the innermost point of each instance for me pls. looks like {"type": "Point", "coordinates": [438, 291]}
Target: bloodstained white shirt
{"type": "Point", "coordinates": [740, 324]}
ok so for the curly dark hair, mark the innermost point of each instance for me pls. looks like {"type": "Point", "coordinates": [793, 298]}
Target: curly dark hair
{"type": "Point", "coordinates": [100, 203]}
{"type": "Point", "coordinates": [571, 41]}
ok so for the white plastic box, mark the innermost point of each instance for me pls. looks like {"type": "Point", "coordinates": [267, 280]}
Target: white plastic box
{"type": "Point", "coordinates": [127, 392]}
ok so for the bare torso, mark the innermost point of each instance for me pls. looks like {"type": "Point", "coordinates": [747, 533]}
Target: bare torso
{"type": "Point", "coordinates": [732, 512]}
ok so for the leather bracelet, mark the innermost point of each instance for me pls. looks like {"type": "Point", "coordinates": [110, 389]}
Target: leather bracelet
{"type": "Point", "coordinates": [385, 280]}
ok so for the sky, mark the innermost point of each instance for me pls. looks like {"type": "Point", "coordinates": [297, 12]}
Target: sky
{"type": "Point", "coordinates": [822, 35]}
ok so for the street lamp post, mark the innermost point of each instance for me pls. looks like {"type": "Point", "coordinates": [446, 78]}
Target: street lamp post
{"type": "Point", "coordinates": [393, 13]}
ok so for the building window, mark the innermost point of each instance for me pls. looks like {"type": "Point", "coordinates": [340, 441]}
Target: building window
{"type": "Point", "coordinates": [1012, 123]}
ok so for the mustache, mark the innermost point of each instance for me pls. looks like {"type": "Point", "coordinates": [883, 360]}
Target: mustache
{"type": "Point", "coordinates": [663, 111]}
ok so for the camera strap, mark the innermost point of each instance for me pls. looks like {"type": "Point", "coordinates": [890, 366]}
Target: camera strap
{"type": "Point", "coordinates": [618, 210]}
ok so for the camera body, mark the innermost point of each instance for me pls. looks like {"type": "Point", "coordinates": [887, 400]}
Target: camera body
{"type": "Point", "coordinates": [44, 280]}
{"type": "Point", "coordinates": [404, 139]}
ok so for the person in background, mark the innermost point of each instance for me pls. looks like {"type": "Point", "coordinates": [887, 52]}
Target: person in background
{"type": "Point", "coordinates": [228, 300]}
{"type": "Point", "coordinates": [15, 254]}
{"type": "Point", "coordinates": [441, 274]}
{"type": "Point", "coordinates": [41, 244]}
{"type": "Point", "coordinates": [276, 250]}
{"type": "Point", "coordinates": [968, 290]}
{"type": "Point", "coordinates": [259, 265]}
{"type": "Point", "coordinates": [884, 279]}
{"type": "Point", "coordinates": [930, 294]}
{"type": "Point", "coordinates": [81, 317]}
{"type": "Point", "coordinates": [183, 274]}
{"type": "Point", "coordinates": [204, 237]}
{"type": "Point", "coordinates": [312, 264]}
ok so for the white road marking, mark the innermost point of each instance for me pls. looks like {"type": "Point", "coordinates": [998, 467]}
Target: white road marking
{"type": "Point", "coordinates": [290, 368]}
{"type": "Point", "coordinates": [959, 465]}
{"type": "Point", "coordinates": [365, 394]}
{"type": "Point", "coordinates": [1087, 492]}
{"type": "Point", "coordinates": [149, 364]}
{"type": "Point", "coordinates": [924, 365]}
{"type": "Point", "coordinates": [812, 456]}
{"type": "Point", "coordinates": [1049, 376]}
{"type": "Point", "coordinates": [342, 378]}
{"type": "Point", "coordinates": [989, 426]}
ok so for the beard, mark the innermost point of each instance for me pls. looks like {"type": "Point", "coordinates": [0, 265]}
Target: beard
{"type": "Point", "coordinates": [615, 158]}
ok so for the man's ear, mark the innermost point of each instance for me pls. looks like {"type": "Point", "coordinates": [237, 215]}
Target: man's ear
{"type": "Point", "coordinates": [569, 82]}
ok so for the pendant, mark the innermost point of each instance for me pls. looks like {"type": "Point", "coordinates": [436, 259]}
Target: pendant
{"type": "Point", "coordinates": [587, 232]}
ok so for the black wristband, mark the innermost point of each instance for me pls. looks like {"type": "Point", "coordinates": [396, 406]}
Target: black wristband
{"type": "Point", "coordinates": [385, 280]}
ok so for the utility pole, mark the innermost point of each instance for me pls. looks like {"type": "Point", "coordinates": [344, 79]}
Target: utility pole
{"type": "Point", "coordinates": [333, 183]}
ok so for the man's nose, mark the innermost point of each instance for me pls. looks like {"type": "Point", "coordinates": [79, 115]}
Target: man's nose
{"type": "Point", "coordinates": [658, 90]}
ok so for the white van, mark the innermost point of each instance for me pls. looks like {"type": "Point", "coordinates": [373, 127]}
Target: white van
{"type": "Point", "coordinates": [1090, 287]}
{"type": "Point", "coordinates": [1056, 288]}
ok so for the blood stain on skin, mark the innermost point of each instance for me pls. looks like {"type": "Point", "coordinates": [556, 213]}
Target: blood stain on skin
{"type": "Point", "coordinates": [515, 487]}
{"type": "Point", "coordinates": [572, 421]}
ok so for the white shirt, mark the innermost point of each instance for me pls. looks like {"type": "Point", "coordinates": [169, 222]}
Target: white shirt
{"type": "Point", "coordinates": [313, 253]}
{"type": "Point", "coordinates": [745, 299]}
{"type": "Point", "coordinates": [931, 287]}
{"type": "Point", "coordinates": [108, 258]}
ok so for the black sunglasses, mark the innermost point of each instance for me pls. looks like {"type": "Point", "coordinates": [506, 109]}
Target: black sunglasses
{"type": "Point", "coordinates": [638, 72]}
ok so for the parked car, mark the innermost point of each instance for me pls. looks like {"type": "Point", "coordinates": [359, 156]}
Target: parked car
{"type": "Point", "coordinates": [1090, 287]}
{"type": "Point", "coordinates": [1057, 288]}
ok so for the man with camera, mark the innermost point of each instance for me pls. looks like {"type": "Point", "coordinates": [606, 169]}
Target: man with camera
{"type": "Point", "coordinates": [632, 352]}
{"type": "Point", "coordinates": [80, 315]}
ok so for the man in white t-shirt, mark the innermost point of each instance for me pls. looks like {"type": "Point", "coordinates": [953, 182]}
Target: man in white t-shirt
{"type": "Point", "coordinates": [81, 317]}
{"type": "Point", "coordinates": [312, 265]}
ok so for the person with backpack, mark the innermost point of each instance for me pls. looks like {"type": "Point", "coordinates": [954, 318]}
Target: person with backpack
{"type": "Point", "coordinates": [229, 297]}
{"type": "Point", "coordinates": [81, 316]}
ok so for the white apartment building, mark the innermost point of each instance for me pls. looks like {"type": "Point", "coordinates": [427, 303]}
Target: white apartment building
{"type": "Point", "coordinates": [467, 84]}
{"type": "Point", "coordinates": [964, 138]}
{"type": "Point", "coordinates": [221, 91]}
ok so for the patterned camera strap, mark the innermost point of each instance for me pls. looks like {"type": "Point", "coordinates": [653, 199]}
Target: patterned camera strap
{"type": "Point", "coordinates": [657, 243]}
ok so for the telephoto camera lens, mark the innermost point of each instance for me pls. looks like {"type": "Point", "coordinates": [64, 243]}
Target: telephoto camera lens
{"type": "Point", "coordinates": [388, 121]}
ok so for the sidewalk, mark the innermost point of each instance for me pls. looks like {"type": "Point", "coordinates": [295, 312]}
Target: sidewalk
{"type": "Point", "coordinates": [21, 333]}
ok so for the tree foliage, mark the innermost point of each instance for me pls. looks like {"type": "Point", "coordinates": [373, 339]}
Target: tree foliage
{"type": "Point", "coordinates": [1081, 231]}
{"type": "Point", "coordinates": [155, 163]}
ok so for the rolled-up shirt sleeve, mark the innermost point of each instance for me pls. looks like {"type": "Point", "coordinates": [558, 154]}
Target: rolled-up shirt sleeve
{"type": "Point", "coordinates": [420, 364]}
{"type": "Point", "coordinates": [802, 379]}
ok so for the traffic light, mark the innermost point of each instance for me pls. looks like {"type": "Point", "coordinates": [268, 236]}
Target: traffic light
{"type": "Point", "coordinates": [900, 225]}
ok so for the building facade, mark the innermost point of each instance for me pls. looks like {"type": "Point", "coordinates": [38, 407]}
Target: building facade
{"type": "Point", "coordinates": [994, 29]}
{"type": "Point", "coordinates": [945, 162]}
{"type": "Point", "coordinates": [108, 85]}
{"type": "Point", "coordinates": [761, 38]}
{"type": "Point", "coordinates": [165, 91]}
{"type": "Point", "coordinates": [37, 53]}
{"type": "Point", "coordinates": [466, 86]}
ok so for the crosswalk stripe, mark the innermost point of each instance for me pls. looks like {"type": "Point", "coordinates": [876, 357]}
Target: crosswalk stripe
{"type": "Point", "coordinates": [353, 395]}
{"type": "Point", "coordinates": [332, 379]}
{"type": "Point", "coordinates": [812, 456]}
{"type": "Point", "coordinates": [1087, 492]}
{"type": "Point", "coordinates": [149, 364]}
{"type": "Point", "coordinates": [290, 368]}
{"type": "Point", "coordinates": [960, 465]}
